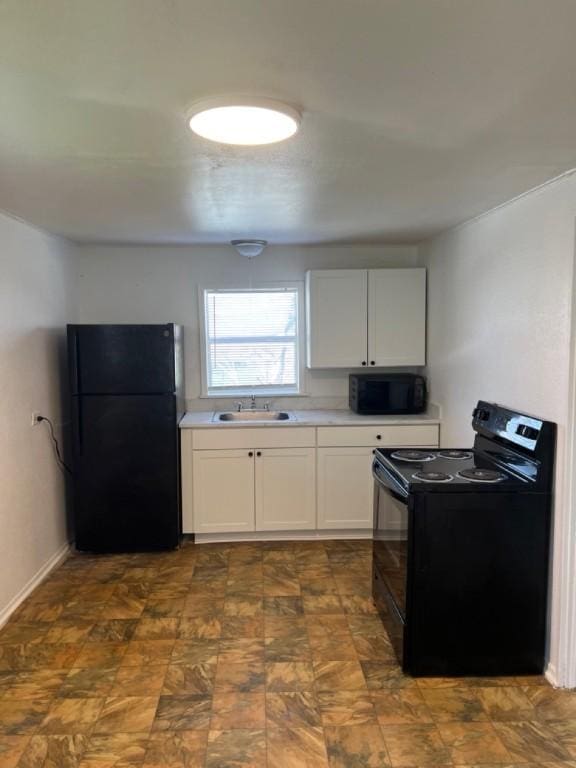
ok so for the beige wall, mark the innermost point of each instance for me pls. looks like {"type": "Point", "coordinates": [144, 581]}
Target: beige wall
{"type": "Point", "coordinates": [159, 284]}
{"type": "Point", "coordinates": [499, 325]}
{"type": "Point", "coordinates": [34, 306]}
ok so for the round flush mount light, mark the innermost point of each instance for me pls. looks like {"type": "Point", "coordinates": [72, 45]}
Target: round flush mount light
{"type": "Point", "coordinates": [249, 248]}
{"type": "Point", "coordinates": [244, 121]}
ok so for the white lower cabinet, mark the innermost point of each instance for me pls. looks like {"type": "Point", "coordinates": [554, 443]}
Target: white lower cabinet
{"type": "Point", "coordinates": [254, 490]}
{"type": "Point", "coordinates": [285, 489]}
{"type": "Point", "coordinates": [223, 491]}
{"type": "Point", "coordinates": [345, 488]}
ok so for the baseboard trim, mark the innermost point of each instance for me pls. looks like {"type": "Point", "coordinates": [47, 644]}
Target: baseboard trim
{"type": "Point", "coordinates": [223, 538]}
{"type": "Point", "coordinates": [38, 577]}
{"type": "Point", "coordinates": [551, 675]}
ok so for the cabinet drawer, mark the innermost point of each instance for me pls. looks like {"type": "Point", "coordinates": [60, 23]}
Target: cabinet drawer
{"type": "Point", "coordinates": [388, 436]}
{"type": "Point", "coordinates": [253, 437]}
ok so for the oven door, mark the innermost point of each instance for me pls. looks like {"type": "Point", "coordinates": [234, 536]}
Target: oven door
{"type": "Point", "coordinates": [390, 553]}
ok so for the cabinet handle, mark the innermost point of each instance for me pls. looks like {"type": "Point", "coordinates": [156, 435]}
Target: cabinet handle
{"type": "Point", "coordinates": [258, 453]}
{"type": "Point", "coordinates": [250, 453]}
{"type": "Point", "coordinates": [378, 437]}
{"type": "Point", "coordinates": [363, 362]}
{"type": "Point", "coordinates": [372, 362]}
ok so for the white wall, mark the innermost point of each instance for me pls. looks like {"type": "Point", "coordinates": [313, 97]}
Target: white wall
{"type": "Point", "coordinates": [160, 284]}
{"type": "Point", "coordinates": [499, 326]}
{"type": "Point", "coordinates": [34, 307]}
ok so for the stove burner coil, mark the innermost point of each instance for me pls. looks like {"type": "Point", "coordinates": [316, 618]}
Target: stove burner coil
{"type": "Point", "coordinates": [432, 477]}
{"type": "Point", "coordinates": [413, 456]}
{"type": "Point", "coordinates": [482, 475]}
{"type": "Point", "coordinates": [455, 455]}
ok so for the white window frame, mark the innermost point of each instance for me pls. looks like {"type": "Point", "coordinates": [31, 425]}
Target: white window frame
{"type": "Point", "coordinates": [301, 390]}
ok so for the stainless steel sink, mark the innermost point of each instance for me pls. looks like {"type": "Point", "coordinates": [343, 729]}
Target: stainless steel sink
{"type": "Point", "coordinates": [253, 414]}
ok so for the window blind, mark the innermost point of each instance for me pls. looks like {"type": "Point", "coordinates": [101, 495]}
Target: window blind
{"type": "Point", "coordinates": [252, 341]}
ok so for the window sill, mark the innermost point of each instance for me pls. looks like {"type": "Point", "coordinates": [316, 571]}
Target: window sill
{"type": "Point", "coordinates": [246, 396]}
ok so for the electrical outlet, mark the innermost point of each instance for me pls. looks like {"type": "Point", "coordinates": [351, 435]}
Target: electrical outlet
{"type": "Point", "coordinates": [35, 418]}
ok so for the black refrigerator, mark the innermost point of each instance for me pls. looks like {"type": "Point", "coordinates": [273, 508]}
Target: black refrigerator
{"type": "Point", "coordinates": [126, 388]}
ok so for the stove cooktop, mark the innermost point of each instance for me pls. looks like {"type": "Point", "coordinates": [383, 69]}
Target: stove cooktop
{"type": "Point", "coordinates": [465, 469]}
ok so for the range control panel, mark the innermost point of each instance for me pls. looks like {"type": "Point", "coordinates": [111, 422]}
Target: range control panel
{"type": "Point", "coordinates": [494, 420]}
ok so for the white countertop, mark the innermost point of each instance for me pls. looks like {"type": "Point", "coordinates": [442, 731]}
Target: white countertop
{"type": "Point", "coordinates": [323, 418]}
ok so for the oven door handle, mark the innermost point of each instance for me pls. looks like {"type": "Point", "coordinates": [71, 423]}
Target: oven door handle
{"type": "Point", "coordinates": [388, 482]}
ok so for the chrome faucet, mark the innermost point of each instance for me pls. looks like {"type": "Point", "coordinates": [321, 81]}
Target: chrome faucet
{"type": "Point", "coordinates": [238, 406]}
{"type": "Point", "coordinates": [253, 402]}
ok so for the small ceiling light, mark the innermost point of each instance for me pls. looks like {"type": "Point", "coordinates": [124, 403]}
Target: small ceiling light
{"type": "Point", "coordinates": [249, 248]}
{"type": "Point", "coordinates": [244, 121]}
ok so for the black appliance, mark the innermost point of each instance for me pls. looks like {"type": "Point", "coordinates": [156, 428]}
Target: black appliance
{"type": "Point", "coordinates": [126, 390]}
{"type": "Point", "coordinates": [387, 393]}
{"type": "Point", "coordinates": [461, 547]}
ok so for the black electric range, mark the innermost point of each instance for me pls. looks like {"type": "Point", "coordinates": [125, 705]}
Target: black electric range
{"type": "Point", "coordinates": [461, 540]}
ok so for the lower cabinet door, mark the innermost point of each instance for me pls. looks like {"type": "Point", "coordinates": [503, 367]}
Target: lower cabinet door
{"type": "Point", "coordinates": [223, 491]}
{"type": "Point", "coordinates": [285, 489]}
{"type": "Point", "coordinates": [345, 488]}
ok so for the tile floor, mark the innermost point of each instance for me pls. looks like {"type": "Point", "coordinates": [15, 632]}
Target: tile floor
{"type": "Point", "coordinates": [261, 655]}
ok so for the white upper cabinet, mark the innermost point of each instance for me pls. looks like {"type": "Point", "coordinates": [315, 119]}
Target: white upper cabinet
{"type": "Point", "coordinates": [396, 317]}
{"type": "Point", "coordinates": [336, 312]}
{"type": "Point", "coordinates": [366, 318]}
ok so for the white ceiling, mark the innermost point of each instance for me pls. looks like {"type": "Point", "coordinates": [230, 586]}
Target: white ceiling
{"type": "Point", "coordinates": [418, 114]}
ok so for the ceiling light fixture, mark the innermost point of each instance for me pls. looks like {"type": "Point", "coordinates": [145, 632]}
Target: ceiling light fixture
{"type": "Point", "coordinates": [244, 121]}
{"type": "Point", "coordinates": [249, 248]}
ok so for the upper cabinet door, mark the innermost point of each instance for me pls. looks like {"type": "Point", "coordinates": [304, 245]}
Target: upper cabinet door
{"type": "Point", "coordinates": [336, 312]}
{"type": "Point", "coordinates": [396, 317]}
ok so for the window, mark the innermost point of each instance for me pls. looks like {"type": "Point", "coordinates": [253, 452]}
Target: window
{"type": "Point", "coordinates": [251, 341]}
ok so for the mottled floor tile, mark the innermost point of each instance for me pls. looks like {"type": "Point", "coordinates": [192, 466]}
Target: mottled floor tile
{"type": "Point", "coordinates": [321, 604]}
{"type": "Point", "coordinates": [283, 606]}
{"type": "Point", "coordinates": [117, 750]}
{"type": "Point", "coordinates": [338, 675]}
{"type": "Point", "coordinates": [291, 648]}
{"type": "Point", "coordinates": [510, 703]}
{"type": "Point", "coordinates": [68, 632]}
{"type": "Point", "coordinates": [38, 656]}
{"type": "Point", "coordinates": [242, 626]}
{"type": "Point", "coordinates": [183, 713]}
{"type": "Point", "coordinates": [285, 626]}
{"type": "Point", "coordinates": [158, 608]}
{"type": "Point", "coordinates": [565, 730]}
{"type": "Point", "coordinates": [531, 741]}
{"type": "Point", "coordinates": [331, 646]}
{"type": "Point", "coordinates": [33, 684]}
{"type": "Point", "coordinates": [126, 714]}
{"type": "Point", "coordinates": [88, 683]}
{"type": "Point", "coordinates": [244, 677]}
{"type": "Point", "coordinates": [454, 704]}
{"type": "Point", "coordinates": [401, 706]}
{"type": "Point", "coordinates": [71, 716]}
{"type": "Point", "coordinates": [296, 748]}
{"type": "Point", "coordinates": [143, 652]}
{"type": "Point", "coordinates": [200, 628]}
{"type": "Point", "coordinates": [55, 751]}
{"type": "Point", "coordinates": [156, 629]}
{"type": "Point", "coordinates": [194, 651]}
{"type": "Point", "coordinates": [41, 612]}
{"type": "Point", "coordinates": [292, 709]}
{"type": "Point", "coordinates": [182, 749]}
{"type": "Point", "coordinates": [25, 632]}
{"type": "Point", "coordinates": [340, 708]}
{"type": "Point", "coordinates": [551, 704]}
{"type": "Point", "coordinates": [241, 650]}
{"type": "Point", "coordinates": [243, 606]}
{"type": "Point", "coordinates": [358, 746]}
{"type": "Point", "coordinates": [139, 681]}
{"type": "Point", "coordinates": [289, 676]}
{"type": "Point", "coordinates": [184, 679]}
{"type": "Point", "coordinates": [237, 710]}
{"type": "Point", "coordinates": [19, 716]}
{"type": "Point", "coordinates": [358, 605]}
{"type": "Point", "coordinates": [100, 655]}
{"type": "Point", "coordinates": [415, 746]}
{"type": "Point", "coordinates": [11, 748]}
{"type": "Point", "coordinates": [236, 749]}
{"type": "Point", "coordinates": [473, 743]}
{"type": "Point", "coordinates": [113, 630]}
{"type": "Point", "coordinates": [385, 675]}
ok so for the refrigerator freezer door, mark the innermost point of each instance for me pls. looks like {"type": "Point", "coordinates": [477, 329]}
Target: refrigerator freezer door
{"type": "Point", "coordinates": [126, 472]}
{"type": "Point", "coordinates": [122, 359]}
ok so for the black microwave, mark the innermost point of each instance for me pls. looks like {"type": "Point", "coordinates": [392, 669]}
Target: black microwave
{"type": "Point", "coordinates": [387, 393]}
